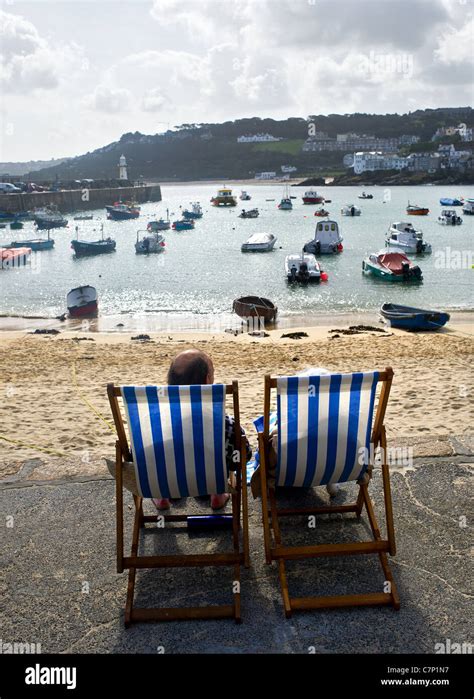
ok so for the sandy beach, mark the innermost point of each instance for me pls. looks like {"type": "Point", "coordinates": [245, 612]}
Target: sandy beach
{"type": "Point", "coordinates": [54, 386]}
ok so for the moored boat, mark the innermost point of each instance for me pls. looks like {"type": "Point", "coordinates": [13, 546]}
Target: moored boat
{"type": "Point", "coordinates": [449, 217]}
{"type": "Point", "coordinates": [365, 196]}
{"type": "Point", "coordinates": [82, 302]}
{"type": "Point", "coordinates": [224, 198]}
{"type": "Point", "coordinates": [403, 236]}
{"type": "Point", "coordinates": [83, 217]}
{"type": "Point", "coordinates": [350, 210]}
{"type": "Point", "coordinates": [161, 224]}
{"type": "Point", "coordinates": [149, 244]}
{"type": "Point", "coordinates": [322, 212]}
{"type": "Point", "coordinates": [415, 210]}
{"type": "Point", "coordinates": [195, 212]}
{"type": "Point", "coordinates": [304, 268]}
{"type": "Point", "coordinates": [391, 266]}
{"type": "Point", "coordinates": [245, 196]}
{"type": "Point", "coordinates": [49, 217]}
{"type": "Point", "coordinates": [122, 211]}
{"type": "Point", "coordinates": [259, 242]}
{"type": "Point", "coordinates": [36, 244]}
{"type": "Point", "coordinates": [255, 307]}
{"type": "Point", "coordinates": [286, 204]}
{"type": "Point", "coordinates": [252, 213]}
{"type": "Point", "coordinates": [183, 225]}
{"type": "Point", "coordinates": [312, 197]}
{"type": "Point", "coordinates": [446, 201]}
{"type": "Point", "coordinates": [327, 239]}
{"type": "Point", "coordinates": [408, 318]}
{"type": "Point", "coordinates": [468, 207]}
{"type": "Point", "coordinates": [88, 248]}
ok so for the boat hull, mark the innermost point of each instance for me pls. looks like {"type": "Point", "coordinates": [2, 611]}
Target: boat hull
{"type": "Point", "coordinates": [425, 249]}
{"type": "Point", "coordinates": [313, 200]}
{"type": "Point", "coordinates": [407, 318]}
{"type": "Point", "coordinates": [255, 307]}
{"type": "Point", "coordinates": [45, 224]}
{"type": "Point", "coordinates": [91, 249]}
{"type": "Point", "coordinates": [122, 215]}
{"type": "Point", "coordinates": [82, 302]}
{"type": "Point", "coordinates": [35, 245]}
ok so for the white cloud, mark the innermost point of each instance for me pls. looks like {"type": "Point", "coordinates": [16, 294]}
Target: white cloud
{"type": "Point", "coordinates": [109, 99]}
{"type": "Point", "coordinates": [153, 100]}
{"type": "Point", "coordinates": [28, 62]}
{"type": "Point", "coordinates": [457, 45]}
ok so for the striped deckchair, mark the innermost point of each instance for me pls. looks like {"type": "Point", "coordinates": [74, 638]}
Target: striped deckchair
{"type": "Point", "coordinates": [177, 447]}
{"type": "Point", "coordinates": [327, 434]}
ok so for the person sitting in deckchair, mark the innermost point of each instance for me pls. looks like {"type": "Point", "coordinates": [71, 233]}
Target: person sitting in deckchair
{"type": "Point", "coordinates": [193, 367]}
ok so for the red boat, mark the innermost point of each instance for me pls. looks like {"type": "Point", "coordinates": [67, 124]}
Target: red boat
{"type": "Point", "coordinates": [312, 197]}
{"type": "Point", "coordinates": [82, 302]}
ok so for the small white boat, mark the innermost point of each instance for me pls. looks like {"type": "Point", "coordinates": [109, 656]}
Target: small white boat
{"type": "Point", "coordinates": [468, 207]}
{"type": "Point", "coordinates": [244, 196]}
{"type": "Point", "coordinates": [304, 268]}
{"type": "Point", "coordinates": [259, 242]}
{"type": "Point", "coordinates": [449, 217]}
{"type": "Point", "coordinates": [149, 244]}
{"type": "Point", "coordinates": [403, 236]}
{"type": "Point", "coordinates": [350, 210]}
{"type": "Point", "coordinates": [327, 239]}
{"type": "Point", "coordinates": [82, 302]}
{"type": "Point", "coordinates": [251, 213]}
{"type": "Point", "coordinates": [84, 217]}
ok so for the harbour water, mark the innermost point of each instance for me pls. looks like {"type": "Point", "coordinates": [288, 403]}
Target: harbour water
{"type": "Point", "coordinates": [192, 285]}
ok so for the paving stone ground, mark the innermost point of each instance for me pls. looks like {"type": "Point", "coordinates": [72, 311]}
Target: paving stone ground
{"type": "Point", "coordinates": [59, 588]}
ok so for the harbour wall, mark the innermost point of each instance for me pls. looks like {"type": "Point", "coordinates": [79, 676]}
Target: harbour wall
{"type": "Point", "coordinates": [79, 199]}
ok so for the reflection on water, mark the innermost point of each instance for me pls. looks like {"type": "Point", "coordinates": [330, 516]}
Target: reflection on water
{"type": "Point", "coordinates": [202, 271]}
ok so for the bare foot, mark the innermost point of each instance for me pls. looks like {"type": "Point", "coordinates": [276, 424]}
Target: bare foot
{"type": "Point", "coordinates": [219, 501]}
{"type": "Point", "coordinates": [161, 504]}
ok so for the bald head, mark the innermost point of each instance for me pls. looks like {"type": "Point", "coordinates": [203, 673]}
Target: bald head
{"type": "Point", "coordinates": [190, 368]}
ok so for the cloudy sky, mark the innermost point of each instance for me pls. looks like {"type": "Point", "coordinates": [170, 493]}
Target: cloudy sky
{"type": "Point", "coordinates": [75, 75]}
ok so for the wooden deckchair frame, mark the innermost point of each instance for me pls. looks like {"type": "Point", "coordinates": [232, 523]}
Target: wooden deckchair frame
{"type": "Point", "coordinates": [276, 551]}
{"type": "Point", "coordinates": [134, 562]}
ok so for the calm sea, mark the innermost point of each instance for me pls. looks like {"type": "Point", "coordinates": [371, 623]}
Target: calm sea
{"type": "Point", "coordinates": [195, 281]}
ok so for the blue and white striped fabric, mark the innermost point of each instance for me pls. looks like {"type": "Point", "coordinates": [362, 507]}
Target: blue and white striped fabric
{"type": "Point", "coordinates": [324, 428]}
{"type": "Point", "coordinates": [178, 439]}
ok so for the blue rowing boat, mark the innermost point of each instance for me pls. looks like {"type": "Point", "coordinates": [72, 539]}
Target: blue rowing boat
{"type": "Point", "coordinates": [408, 318]}
{"type": "Point", "coordinates": [446, 201]}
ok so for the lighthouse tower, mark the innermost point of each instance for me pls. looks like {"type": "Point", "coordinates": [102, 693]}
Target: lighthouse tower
{"type": "Point", "coordinates": [122, 168]}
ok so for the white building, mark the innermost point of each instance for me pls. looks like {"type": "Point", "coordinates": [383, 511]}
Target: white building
{"type": "Point", "coordinates": [288, 168]}
{"type": "Point", "coordinates": [369, 161]}
{"type": "Point", "coordinates": [258, 138]}
{"type": "Point", "coordinates": [466, 133]}
{"type": "Point", "coordinates": [265, 175]}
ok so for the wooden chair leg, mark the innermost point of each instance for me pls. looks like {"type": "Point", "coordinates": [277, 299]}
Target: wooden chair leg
{"type": "Point", "coordinates": [119, 505]}
{"type": "Point", "coordinates": [387, 494]}
{"type": "Point", "coordinates": [264, 496]}
{"type": "Point", "coordinates": [245, 510]}
{"type": "Point", "coordinates": [281, 563]}
{"type": "Point", "coordinates": [132, 572]}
